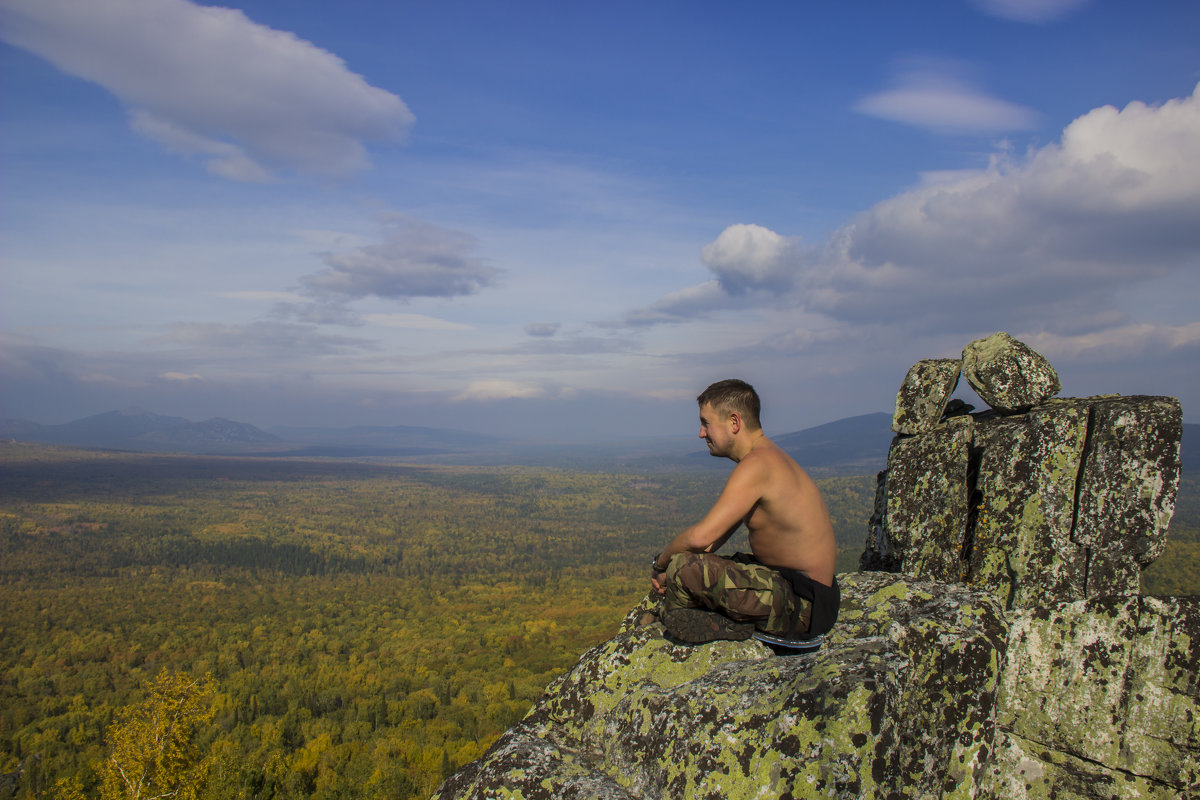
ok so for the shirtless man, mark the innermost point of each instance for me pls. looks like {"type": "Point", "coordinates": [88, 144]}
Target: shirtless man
{"type": "Point", "coordinates": [786, 589]}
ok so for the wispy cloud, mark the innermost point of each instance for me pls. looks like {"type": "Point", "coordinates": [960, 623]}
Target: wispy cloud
{"type": "Point", "coordinates": [488, 390]}
{"type": "Point", "coordinates": [694, 302]}
{"type": "Point", "coordinates": [415, 259]}
{"type": "Point", "coordinates": [1036, 11]}
{"type": "Point", "coordinates": [415, 322]}
{"type": "Point", "coordinates": [542, 329]}
{"type": "Point", "coordinates": [932, 93]}
{"type": "Point", "coordinates": [246, 99]}
{"type": "Point", "coordinates": [250, 342]}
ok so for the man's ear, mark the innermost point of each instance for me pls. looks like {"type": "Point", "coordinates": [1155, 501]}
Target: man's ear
{"type": "Point", "coordinates": [735, 421]}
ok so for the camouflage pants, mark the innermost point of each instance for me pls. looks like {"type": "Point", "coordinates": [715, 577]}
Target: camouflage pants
{"type": "Point", "coordinates": [741, 589]}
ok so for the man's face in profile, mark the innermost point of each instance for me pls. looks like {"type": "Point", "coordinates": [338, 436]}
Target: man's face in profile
{"type": "Point", "coordinates": [716, 429]}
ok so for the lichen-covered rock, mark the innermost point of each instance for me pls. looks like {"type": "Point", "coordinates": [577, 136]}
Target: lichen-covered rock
{"type": "Point", "coordinates": [1066, 501]}
{"type": "Point", "coordinates": [1128, 487]}
{"type": "Point", "coordinates": [899, 702]}
{"type": "Point", "coordinates": [927, 500]}
{"type": "Point", "coordinates": [1012, 658]}
{"type": "Point", "coordinates": [1007, 374]}
{"type": "Point", "coordinates": [1026, 770]}
{"type": "Point", "coordinates": [879, 555]}
{"type": "Point", "coordinates": [1024, 507]}
{"type": "Point", "coordinates": [923, 395]}
{"type": "Point", "coordinates": [1103, 689]}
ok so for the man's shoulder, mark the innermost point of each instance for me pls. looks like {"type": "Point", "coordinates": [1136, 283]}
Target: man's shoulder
{"type": "Point", "coordinates": [770, 455]}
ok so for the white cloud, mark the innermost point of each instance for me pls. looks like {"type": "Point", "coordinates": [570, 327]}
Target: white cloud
{"type": "Point", "coordinates": [1043, 243]}
{"type": "Point", "coordinates": [1116, 203]}
{"type": "Point", "coordinates": [932, 95]}
{"type": "Point", "coordinates": [181, 376]}
{"type": "Point", "coordinates": [1118, 343]}
{"type": "Point", "coordinates": [747, 257]}
{"type": "Point", "coordinates": [1037, 11]}
{"type": "Point", "coordinates": [487, 390]}
{"type": "Point", "coordinates": [222, 158]}
{"type": "Point", "coordinates": [210, 82]}
{"type": "Point", "coordinates": [751, 265]}
{"type": "Point", "coordinates": [415, 259]}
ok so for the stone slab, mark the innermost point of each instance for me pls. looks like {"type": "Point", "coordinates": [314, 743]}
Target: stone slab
{"type": "Point", "coordinates": [924, 393]}
{"type": "Point", "coordinates": [927, 501]}
{"type": "Point", "coordinates": [1021, 546]}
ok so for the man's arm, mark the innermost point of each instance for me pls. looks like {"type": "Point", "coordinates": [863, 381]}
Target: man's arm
{"type": "Point", "coordinates": [742, 491]}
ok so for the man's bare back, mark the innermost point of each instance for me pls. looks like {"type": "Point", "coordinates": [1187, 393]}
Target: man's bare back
{"type": "Point", "coordinates": [789, 525]}
{"type": "Point", "coordinates": [768, 491]}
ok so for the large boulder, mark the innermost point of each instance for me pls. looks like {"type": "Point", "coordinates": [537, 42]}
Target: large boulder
{"type": "Point", "coordinates": [900, 702]}
{"type": "Point", "coordinates": [922, 690]}
{"type": "Point", "coordinates": [1100, 698]}
{"type": "Point", "coordinates": [1007, 374]}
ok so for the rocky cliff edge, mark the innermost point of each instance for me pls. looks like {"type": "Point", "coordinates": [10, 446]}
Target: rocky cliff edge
{"type": "Point", "coordinates": [995, 644]}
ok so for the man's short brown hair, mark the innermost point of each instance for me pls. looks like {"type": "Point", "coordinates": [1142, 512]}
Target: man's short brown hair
{"type": "Point", "coordinates": [736, 396]}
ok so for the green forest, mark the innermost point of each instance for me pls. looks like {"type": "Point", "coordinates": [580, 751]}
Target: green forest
{"type": "Point", "coordinates": [348, 629]}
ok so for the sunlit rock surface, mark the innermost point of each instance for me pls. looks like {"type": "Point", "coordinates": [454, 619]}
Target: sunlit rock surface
{"type": "Point", "coordinates": [1066, 501]}
{"type": "Point", "coordinates": [907, 679]}
{"type": "Point", "coordinates": [1007, 374]}
{"type": "Point", "coordinates": [998, 646]}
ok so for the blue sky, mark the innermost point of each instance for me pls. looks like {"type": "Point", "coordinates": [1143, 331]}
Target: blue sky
{"type": "Point", "coordinates": [563, 220]}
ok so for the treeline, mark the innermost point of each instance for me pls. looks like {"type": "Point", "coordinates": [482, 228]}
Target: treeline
{"type": "Point", "coordinates": [368, 628]}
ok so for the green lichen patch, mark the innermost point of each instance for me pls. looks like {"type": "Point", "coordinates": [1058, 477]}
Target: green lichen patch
{"type": "Point", "coordinates": [908, 680]}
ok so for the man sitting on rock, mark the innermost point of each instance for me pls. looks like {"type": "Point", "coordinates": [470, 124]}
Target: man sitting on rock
{"type": "Point", "coordinates": [786, 592]}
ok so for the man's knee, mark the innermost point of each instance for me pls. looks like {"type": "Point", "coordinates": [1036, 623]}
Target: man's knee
{"type": "Point", "coordinates": [687, 579]}
{"type": "Point", "coordinates": [692, 571]}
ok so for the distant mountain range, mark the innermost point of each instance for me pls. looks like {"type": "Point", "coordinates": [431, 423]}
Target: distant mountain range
{"type": "Point", "coordinates": [855, 445]}
{"type": "Point", "coordinates": [137, 429]}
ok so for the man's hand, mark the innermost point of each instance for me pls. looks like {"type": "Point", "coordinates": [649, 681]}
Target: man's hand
{"type": "Point", "coordinates": [656, 577]}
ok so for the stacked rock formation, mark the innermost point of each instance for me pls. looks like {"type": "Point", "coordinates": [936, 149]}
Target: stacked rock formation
{"type": "Point", "coordinates": [995, 645]}
{"type": "Point", "coordinates": [1038, 500]}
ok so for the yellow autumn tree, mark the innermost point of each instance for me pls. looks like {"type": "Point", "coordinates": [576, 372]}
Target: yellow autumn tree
{"type": "Point", "coordinates": [152, 752]}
